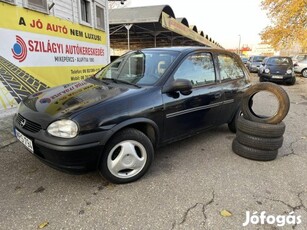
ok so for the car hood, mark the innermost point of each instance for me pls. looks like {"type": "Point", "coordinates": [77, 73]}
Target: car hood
{"type": "Point", "coordinates": [65, 100]}
{"type": "Point", "coordinates": [278, 69]}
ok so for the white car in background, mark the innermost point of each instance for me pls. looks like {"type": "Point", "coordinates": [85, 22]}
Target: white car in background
{"type": "Point", "coordinates": [299, 58]}
{"type": "Point", "coordinates": [301, 67]}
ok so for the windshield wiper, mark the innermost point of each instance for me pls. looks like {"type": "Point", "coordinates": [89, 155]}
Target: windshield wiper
{"type": "Point", "coordinates": [121, 81]}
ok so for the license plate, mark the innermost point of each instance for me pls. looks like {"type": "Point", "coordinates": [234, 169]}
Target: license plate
{"type": "Point", "coordinates": [23, 139]}
{"type": "Point", "coordinates": [277, 77]}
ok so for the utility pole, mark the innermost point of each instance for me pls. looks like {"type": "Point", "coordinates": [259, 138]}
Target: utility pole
{"type": "Point", "coordinates": [239, 44]}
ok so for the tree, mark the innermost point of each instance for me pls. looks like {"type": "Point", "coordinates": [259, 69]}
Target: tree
{"type": "Point", "coordinates": [289, 23]}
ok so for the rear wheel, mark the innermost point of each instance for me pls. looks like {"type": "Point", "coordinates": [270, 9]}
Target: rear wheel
{"type": "Point", "coordinates": [232, 125]}
{"type": "Point", "coordinates": [127, 156]}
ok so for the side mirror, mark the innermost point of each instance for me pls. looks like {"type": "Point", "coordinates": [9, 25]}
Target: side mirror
{"type": "Point", "coordinates": [182, 85]}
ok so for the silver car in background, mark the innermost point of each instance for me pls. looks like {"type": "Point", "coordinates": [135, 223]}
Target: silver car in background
{"type": "Point", "coordinates": [254, 63]}
{"type": "Point", "coordinates": [301, 67]}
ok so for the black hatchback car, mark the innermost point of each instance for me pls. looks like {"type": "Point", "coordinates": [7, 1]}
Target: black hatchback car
{"type": "Point", "coordinates": [115, 119]}
{"type": "Point", "coordinates": [277, 69]}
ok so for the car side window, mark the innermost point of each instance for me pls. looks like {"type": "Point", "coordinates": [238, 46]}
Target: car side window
{"type": "Point", "coordinates": [197, 68]}
{"type": "Point", "coordinates": [229, 68]}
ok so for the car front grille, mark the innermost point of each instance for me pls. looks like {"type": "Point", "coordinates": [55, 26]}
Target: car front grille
{"type": "Point", "coordinates": [27, 124]}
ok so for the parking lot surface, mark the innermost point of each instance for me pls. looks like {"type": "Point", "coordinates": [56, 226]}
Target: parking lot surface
{"type": "Point", "coordinates": [198, 183]}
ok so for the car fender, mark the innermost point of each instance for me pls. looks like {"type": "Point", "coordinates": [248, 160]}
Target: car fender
{"type": "Point", "coordinates": [130, 122]}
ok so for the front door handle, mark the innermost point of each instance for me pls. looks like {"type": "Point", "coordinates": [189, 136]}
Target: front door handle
{"type": "Point", "coordinates": [217, 95]}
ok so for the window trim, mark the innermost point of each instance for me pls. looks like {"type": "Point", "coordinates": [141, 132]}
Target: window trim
{"type": "Point", "coordinates": [90, 11]}
{"type": "Point", "coordinates": [31, 6]}
{"type": "Point", "coordinates": [96, 19]}
{"type": "Point", "coordinates": [12, 2]}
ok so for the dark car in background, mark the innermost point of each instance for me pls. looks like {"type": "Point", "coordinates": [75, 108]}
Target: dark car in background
{"type": "Point", "coordinates": [144, 99]}
{"type": "Point", "coordinates": [254, 63]}
{"type": "Point", "coordinates": [277, 69]}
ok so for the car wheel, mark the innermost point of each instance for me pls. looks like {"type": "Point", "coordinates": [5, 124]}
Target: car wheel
{"type": "Point", "coordinates": [279, 92]}
{"type": "Point", "coordinates": [252, 153]}
{"type": "Point", "coordinates": [292, 81]}
{"type": "Point", "coordinates": [304, 72]}
{"type": "Point", "coordinates": [127, 156]}
{"type": "Point", "coordinates": [260, 129]}
{"type": "Point", "coordinates": [263, 143]}
{"type": "Point", "coordinates": [232, 125]}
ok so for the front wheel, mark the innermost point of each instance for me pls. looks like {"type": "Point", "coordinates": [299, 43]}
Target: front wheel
{"type": "Point", "coordinates": [127, 156]}
{"type": "Point", "coordinates": [304, 72]}
{"type": "Point", "coordinates": [292, 81]}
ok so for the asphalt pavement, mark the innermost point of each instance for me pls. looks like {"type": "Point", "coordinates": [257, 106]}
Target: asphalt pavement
{"type": "Point", "coordinates": [6, 128]}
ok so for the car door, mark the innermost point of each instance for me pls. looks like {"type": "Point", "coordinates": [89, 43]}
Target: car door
{"type": "Point", "coordinates": [187, 113]}
{"type": "Point", "coordinates": [233, 83]}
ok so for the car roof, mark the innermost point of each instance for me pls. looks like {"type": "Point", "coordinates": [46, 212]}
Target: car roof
{"type": "Point", "coordinates": [280, 57]}
{"type": "Point", "coordinates": [179, 48]}
{"type": "Point", "coordinates": [188, 49]}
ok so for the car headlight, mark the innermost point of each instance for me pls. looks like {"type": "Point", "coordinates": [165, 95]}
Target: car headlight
{"type": "Point", "coordinates": [266, 70]}
{"type": "Point", "coordinates": [289, 71]}
{"type": "Point", "coordinates": [63, 128]}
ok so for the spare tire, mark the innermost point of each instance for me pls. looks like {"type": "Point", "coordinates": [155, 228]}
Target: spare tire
{"type": "Point", "coordinates": [260, 129]}
{"type": "Point", "coordinates": [252, 153]}
{"type": "Point", "coordinates": [279, 92]}
{"type": "Point", "coordinates": [263, 143]}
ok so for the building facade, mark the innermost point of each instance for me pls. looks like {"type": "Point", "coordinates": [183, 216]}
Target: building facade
{"type": "Point", "coordinates": [45, 43]}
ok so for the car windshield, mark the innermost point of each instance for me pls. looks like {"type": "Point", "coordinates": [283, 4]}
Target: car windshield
{"type": "Point", "coordinates": [280, 61]}
{"type": "Point", "coordinates": [259, 58]}
{"type": "Point", "coordinates": [140, 67]}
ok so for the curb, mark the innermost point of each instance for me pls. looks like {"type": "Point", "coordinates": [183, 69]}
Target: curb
{"type": "Point", "coordinates": [7, 136]}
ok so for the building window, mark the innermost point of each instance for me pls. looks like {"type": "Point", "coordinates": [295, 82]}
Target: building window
{"type": "Point", "coordinates": [85, 8]}
{"type": "Point", "coordinates": [9, 1]}
{"type": "Point", "coordinates": [40, 5]}
{"type": "Point", "coordinates": [100, 22]}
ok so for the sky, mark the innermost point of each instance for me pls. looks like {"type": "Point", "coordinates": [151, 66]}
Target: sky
{"type": "Point", "coordinates": [227, 22]}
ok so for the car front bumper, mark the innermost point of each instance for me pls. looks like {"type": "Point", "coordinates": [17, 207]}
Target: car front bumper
{"type": "Point", "coordinates": [277, 78]}
{"type": "Point", "coordinates": [77, 155]}
{"type": "Point", "coordinates": [254, 69]}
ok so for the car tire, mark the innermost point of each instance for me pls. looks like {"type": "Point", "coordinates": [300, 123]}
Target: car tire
{"type": "Point", "coordinates": [232, 125]}
{"type": "Point", "coordinates": [304, 72]}
{"type": "Point", "coordinates": [292, 81]}
{"type": "Point", "coordinates": [279, 92]}
{"type": "Point", "coordinates": [260, 129]}
{"type": "Point", "coordinates": [262, 143]}
{"type": "Point", "coordinates": [126, 157]}
{"type": "Point", "coordinates": [252, 153]}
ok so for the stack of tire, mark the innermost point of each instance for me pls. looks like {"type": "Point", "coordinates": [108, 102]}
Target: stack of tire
{"type": "Point", "coordinates": [258, 137]}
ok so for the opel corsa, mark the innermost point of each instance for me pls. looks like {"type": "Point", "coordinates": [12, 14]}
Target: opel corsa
{"type": "Point", "coordinates": [114, 120]}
